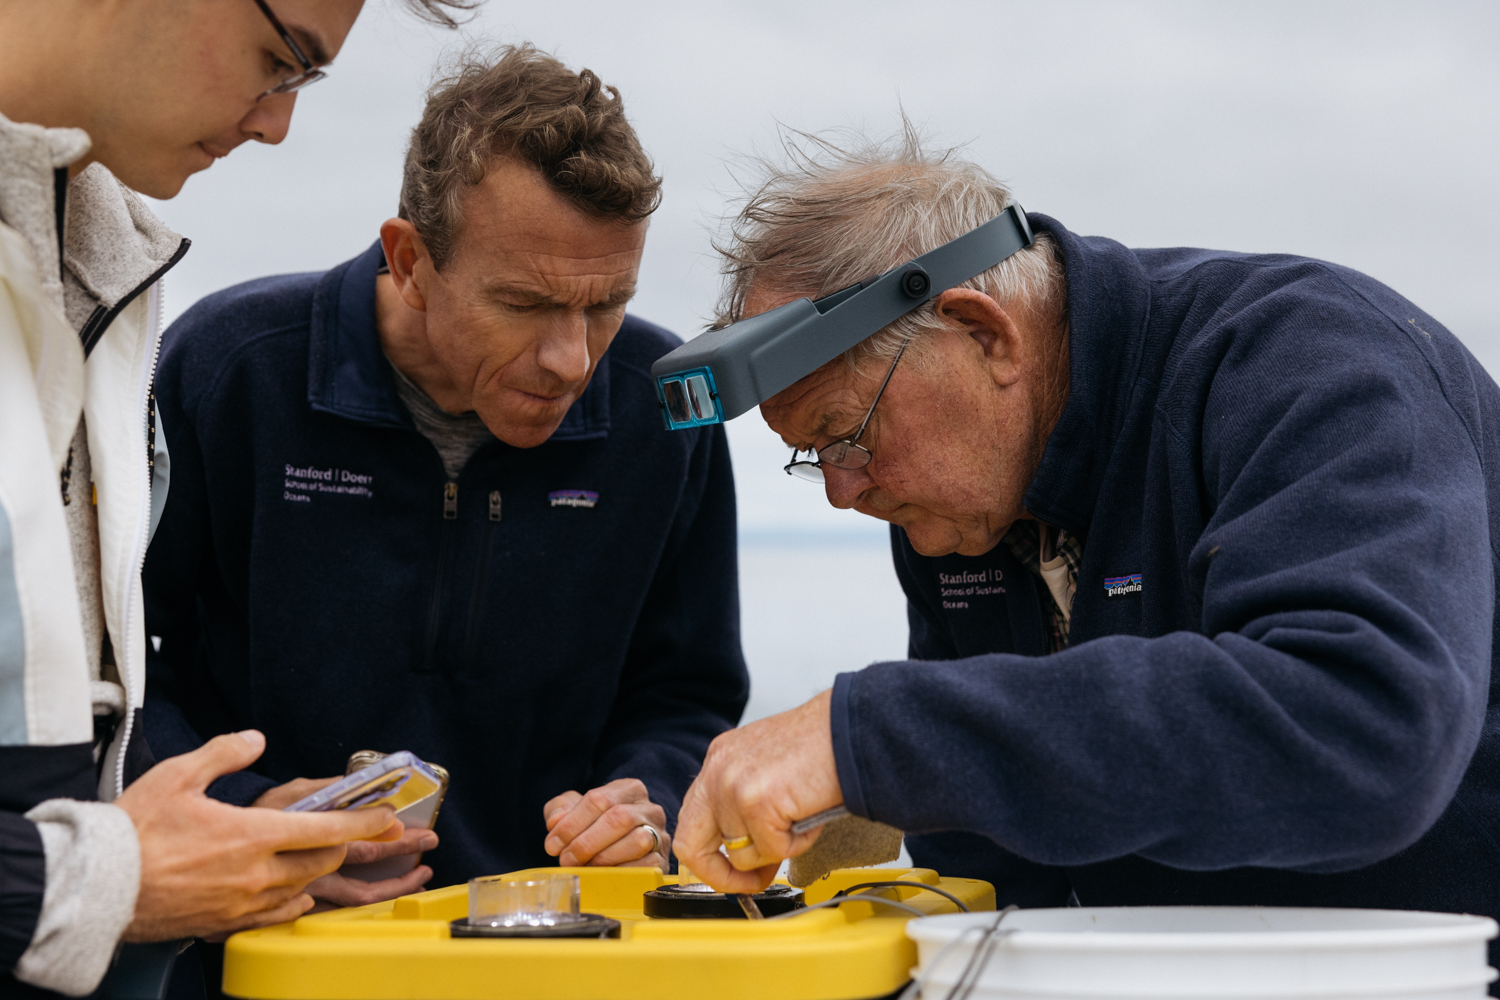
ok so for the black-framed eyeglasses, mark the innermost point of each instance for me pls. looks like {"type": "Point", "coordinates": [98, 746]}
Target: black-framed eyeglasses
{"type": "Point", "coordinates": [309, 74]}
{"type": "Point", "coordinates": [846, 453]}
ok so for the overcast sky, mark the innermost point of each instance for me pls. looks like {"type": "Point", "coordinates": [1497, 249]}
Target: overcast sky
{"type": "Point", "coordinates": [1364, 133]}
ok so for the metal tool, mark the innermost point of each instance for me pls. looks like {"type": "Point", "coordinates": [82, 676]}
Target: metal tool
{"type": "Point", "coordinates": [820, 819]}
{"type": "Point", "coordinates": [747, 903]}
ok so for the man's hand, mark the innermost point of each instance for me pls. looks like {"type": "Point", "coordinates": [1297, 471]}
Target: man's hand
{"type": "Point", "coordinates": [757, 781]}
{"type": "Point", "coordinates": [603, 828]}
{"type": "Point", "coordinates": [208, 868]}
{"type": "Point", "coordinates": [338, 889]}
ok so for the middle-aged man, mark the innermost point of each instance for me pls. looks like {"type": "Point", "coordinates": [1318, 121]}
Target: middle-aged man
{"type": "Point", "coordinates": [100, 99]}
{"type": "Point", "coordinates": [1198, 549]}
{"type": "Point", "coordinates": [424, 501]}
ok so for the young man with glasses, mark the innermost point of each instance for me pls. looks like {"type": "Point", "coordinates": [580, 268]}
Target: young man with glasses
{"type": "Point", "coordinates": [99, 101]}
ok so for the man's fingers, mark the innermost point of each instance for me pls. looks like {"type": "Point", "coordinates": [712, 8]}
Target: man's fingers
{"type": "Point", "coordinates": [715, 870]}
{"type": "Point", "coordinates": [219, 756]}
{"type": "Point", "coordinates": [343, 890]}
{"type": "Point", "coordinates": [298, 868]}
{"type": "Point", "coordinates": [697, 833]}
{"type": "Point", "coordinates": [579, 818]}
{"type": "Point", "coordinates": [293, 791]}
{"type": "Point", "coordinates": [414, 840]}
{"type": "Point", "coordinates": [301, 831]}
{"type": "Point", "coordinates": [634, 845]}
{"type": "Point", "coordinates": [567, 823]}
{"type": "Point", "coordinates": [558, 806]}
{"type": "Point", "coordinates": [619, 822]}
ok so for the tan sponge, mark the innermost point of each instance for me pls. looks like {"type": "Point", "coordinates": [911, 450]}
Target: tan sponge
{"type": "Point", "coordinates": [847, 842]}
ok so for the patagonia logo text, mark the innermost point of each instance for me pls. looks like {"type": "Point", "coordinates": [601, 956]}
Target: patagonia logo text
{"type": "Point", "coordinates": [1122, 586]}
{"type": "Point", "coordinates": [572, 498]}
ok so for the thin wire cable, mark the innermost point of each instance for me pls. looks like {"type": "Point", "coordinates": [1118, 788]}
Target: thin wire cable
{"type": "Point", "coordinates": [989, 937]}
{"type": "Point", "coordinates": [980, 958]}
{"type": "Point", "coordinates": [862, 897]}
{"type": "Point", "coordinates": [894, 884]}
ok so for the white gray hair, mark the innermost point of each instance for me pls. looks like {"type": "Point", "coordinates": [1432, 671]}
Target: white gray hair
{"type": "Point", "coordinates": [841, 208]}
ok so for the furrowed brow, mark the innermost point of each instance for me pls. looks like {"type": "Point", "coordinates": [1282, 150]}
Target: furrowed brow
{"type": "Point", "coordinates": [521, 294]}
{"type": "Point", "coordinates": [530, 296]}
{"type": "Point", "coordinates": [619, 298]}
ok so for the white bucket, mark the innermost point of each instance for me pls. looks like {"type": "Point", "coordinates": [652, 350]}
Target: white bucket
{"type": "Point", "coordinates": [1202, 952]}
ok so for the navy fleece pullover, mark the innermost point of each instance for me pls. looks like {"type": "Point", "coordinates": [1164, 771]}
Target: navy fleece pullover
{"type": "Point", "coordinates": [567, 615]}
{"type": "Point", "coordinates": [1278, 688]}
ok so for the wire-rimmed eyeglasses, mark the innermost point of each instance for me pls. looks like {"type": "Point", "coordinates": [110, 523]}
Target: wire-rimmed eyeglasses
{"type": "Point", "coordinates": [846, 453]}
{"type": "Point", "coordinates": [309, 74]}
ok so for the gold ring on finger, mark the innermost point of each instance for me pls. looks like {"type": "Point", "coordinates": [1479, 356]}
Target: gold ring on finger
{"type": "Point", "coordinates": [737, 843]}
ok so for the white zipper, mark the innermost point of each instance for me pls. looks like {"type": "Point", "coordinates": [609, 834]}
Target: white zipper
{"type": "Point", "coordinates": [154, 299]}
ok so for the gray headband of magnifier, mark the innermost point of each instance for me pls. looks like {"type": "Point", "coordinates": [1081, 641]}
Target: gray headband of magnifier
{"type": "Point", "coordinates": [722, 373]}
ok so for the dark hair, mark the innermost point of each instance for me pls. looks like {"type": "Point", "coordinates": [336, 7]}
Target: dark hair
{"type": "Point", "coordinates": [524, 105]}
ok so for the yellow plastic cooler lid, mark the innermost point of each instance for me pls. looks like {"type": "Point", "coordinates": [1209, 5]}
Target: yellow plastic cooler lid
{"type": "Point", "coordinates": [401, 950]}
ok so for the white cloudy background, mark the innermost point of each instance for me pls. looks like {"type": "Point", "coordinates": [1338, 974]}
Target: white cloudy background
{"type": "Point", "coordinates": [1366, 133]}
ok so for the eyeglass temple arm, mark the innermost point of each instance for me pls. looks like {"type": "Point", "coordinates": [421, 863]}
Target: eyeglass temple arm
{"type": "Point", "coordinates": [891, 371]}
{"type": "Point", "coordinates": [286, 36]}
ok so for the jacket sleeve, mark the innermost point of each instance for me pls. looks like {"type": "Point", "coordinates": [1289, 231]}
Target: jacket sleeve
{"type": "Point", "coordinates": [93, 863]}
{"type": "Point", "coordinates": [1324, 713]}
{"type": "Point", "coordinates": [181, 695]}
{"type": "Point", "coordinates": [684, 679]}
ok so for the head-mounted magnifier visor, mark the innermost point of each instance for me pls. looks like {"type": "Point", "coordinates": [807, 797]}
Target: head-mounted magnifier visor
{"type": "Point", "coordinates": [722, 373]}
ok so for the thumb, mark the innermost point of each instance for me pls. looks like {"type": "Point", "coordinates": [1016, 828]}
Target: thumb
{"type": "Point", "coordinates": [220, 756]}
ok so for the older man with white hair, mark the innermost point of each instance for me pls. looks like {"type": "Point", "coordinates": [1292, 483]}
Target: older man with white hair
{"type": "Point", "coordinates": [1198, 549]}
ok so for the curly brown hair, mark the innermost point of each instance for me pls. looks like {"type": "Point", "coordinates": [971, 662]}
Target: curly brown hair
{"type": "Point", "coordinates": [521, 104]}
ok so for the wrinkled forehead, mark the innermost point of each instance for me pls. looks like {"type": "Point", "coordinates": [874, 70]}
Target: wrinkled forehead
{"type": "Point", "coordinates": [828, 403]}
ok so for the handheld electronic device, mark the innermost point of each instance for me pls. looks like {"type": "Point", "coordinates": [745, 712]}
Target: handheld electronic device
{"type": "Point", "coordinates": [720, 374]}
{"type": "Point", "coordinates": [412, 787]}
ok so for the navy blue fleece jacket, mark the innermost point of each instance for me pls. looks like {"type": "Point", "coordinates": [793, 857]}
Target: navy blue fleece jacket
{"type": "Point", "coordinates": [1278, 685]}
{"type": "Point", "coordinates": [571, 617]}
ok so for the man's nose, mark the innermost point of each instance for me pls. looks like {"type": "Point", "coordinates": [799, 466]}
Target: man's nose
{"type": "Point", "coordinates": [845, 486]}
{"type": "Point", "coordinates": [270, 119]}
{"type": "Point", "coordinates": [564, 351]}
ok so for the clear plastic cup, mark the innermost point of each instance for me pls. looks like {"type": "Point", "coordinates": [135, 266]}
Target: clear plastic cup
{"type": "Point", "coordinates": [544, 902]}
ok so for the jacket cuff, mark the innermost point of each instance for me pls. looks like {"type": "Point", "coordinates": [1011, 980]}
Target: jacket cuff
{"type": "Point", "coordinates": [843, 721]}
{"type": "Point", "coordinates": [93, 876]}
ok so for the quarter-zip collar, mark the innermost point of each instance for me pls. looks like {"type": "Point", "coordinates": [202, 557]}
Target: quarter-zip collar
{"type": "Point", "coordinates": [36, 162]}
{"type": "Point", "coordinates": [97, 244]}
{"type": "Point", "coordinates": [348, 375]}
{"type": "Point", "coordinates": [1108, 293]}
{"type": "Point", "coordinates": [114, 249]}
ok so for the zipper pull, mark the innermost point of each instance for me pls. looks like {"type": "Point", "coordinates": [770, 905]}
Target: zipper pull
{"type": "Point", "coordinates": [450, 501]}
{"type": "Point", "coordinates": [494, 505]}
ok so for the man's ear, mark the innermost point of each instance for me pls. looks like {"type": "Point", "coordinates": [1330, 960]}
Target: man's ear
{"type": "Point", "coordinates": [406, 256]}
{"type": "Point", "coordinates": [989, 325]}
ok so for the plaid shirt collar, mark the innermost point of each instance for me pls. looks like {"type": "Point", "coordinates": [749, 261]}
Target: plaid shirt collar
{"type": "Point", "coordinates": [1025, 544]}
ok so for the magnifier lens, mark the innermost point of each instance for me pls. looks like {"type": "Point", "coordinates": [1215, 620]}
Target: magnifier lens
{"type": "Point", "coordinates": [677, 401]}
{"type": "Point", "coordinates": [701, 396]}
